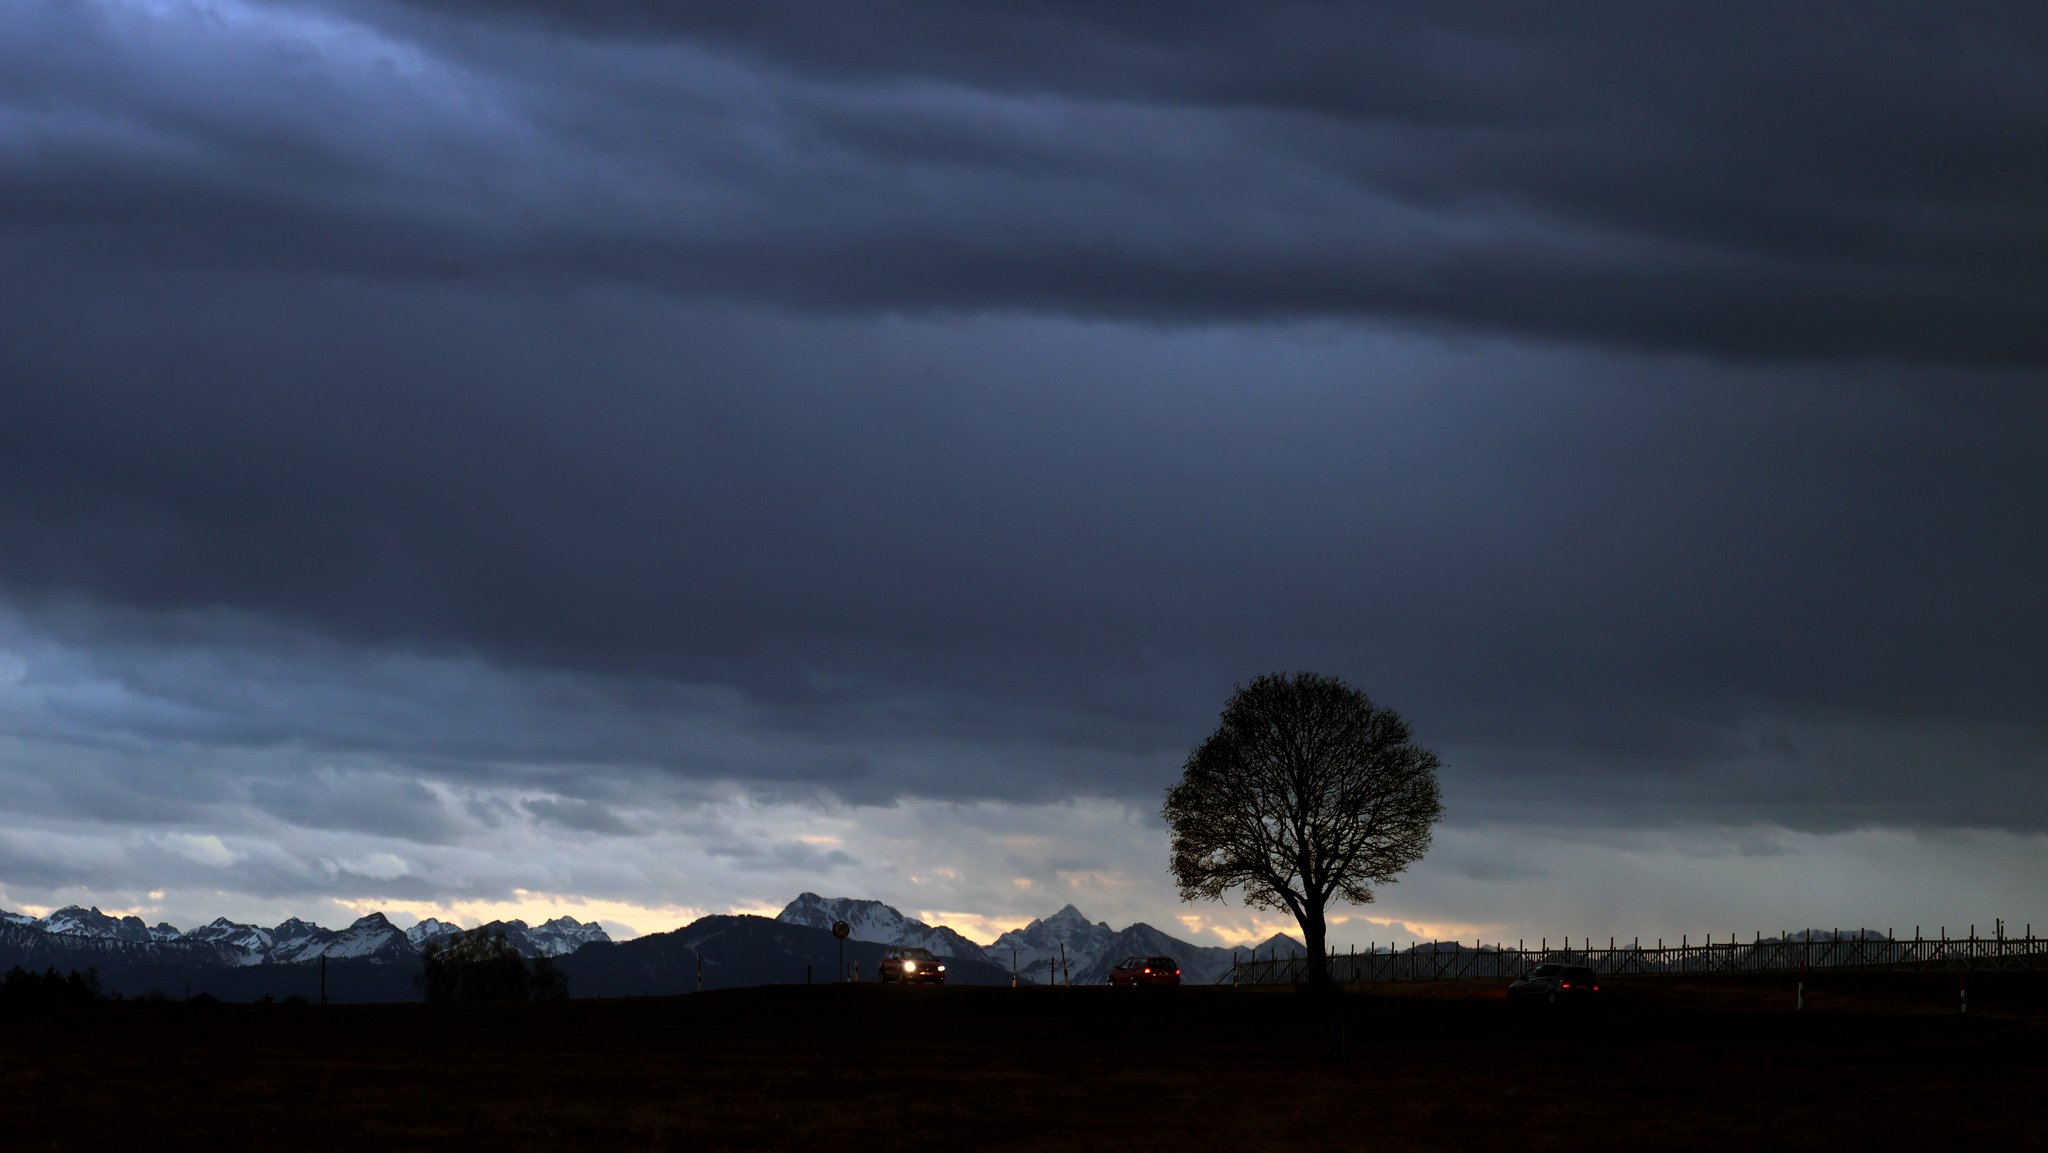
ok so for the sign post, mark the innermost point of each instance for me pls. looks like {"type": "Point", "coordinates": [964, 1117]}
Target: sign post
{"type": "Point", "coordinates": [841, 930]}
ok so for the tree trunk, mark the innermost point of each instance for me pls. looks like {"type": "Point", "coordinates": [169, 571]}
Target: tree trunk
{"type": "Point", "coordinates": [1315, 933]}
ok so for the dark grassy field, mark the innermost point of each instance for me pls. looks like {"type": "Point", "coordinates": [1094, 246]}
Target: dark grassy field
{"type": "Point", "coordinates": [1877, 1062]}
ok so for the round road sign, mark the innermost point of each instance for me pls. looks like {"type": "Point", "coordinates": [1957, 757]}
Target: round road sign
{"type": "Point", "coordinates": [841, 929]}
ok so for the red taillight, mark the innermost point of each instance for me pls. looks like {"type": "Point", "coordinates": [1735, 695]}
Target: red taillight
{"type": "Point", "coordinates": [1596, 988]}
{"type": "Point", "coordinates": [1148, 970]}
{"type": "Point", "coordinates": [1176, 972]}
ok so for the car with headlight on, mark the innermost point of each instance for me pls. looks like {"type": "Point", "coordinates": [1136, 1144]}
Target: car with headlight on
{"type": "Point", "coordinates": [912, 965]}
{"type": "Point", "coordinates": [1162, 972]}
{"type": "Point", "coordinates": [1553, 983]}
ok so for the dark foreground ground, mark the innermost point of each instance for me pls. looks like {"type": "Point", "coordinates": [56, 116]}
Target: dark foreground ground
{"type": "Point", "coordinates": [1877, 1062]}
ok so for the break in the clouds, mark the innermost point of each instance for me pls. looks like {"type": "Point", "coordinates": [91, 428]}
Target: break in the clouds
{"type": "Point", "coordinates": [669, 457]}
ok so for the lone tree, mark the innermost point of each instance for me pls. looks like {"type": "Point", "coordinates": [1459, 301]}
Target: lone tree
{"type": "Point", "coordinates": [1306, 791]}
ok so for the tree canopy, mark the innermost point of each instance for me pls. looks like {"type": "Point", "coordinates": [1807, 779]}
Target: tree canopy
{"type": "Point", "coordinates": [483, 966]}
{"type": "Point", "coordinates": [1307, 792]}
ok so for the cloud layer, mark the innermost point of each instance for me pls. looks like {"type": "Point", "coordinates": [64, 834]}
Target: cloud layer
{"type": "Point", "coordinates": [434, 433]}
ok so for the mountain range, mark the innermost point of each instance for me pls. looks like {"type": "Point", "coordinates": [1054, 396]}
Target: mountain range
{"type": "Point", "coordinates": [226, 942]}
{"type": "Point", "coordinates": [372, 959]}
{"type": "Point", "coordinates": [1065, 948]}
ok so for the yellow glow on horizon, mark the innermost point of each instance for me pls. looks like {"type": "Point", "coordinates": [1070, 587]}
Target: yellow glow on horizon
{"type": "Point", "coordinates": [972, 926]}
{"type": "Point", "coordinates": [536, 907]}
{"type": "Point", "coordinates": [818, 839]}
{"type": "Point", "coordinates": [1253, 930]}
{"type": "Point", "coordinates": [143, 911]}
{"type": "Point", "coordinates": [1416, 931]}
{"type": "Point", "coordinates": [769, 911]}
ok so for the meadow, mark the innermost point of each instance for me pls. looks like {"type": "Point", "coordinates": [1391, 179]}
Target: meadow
{"type": "Point", "coordinates": [1874, 1060]}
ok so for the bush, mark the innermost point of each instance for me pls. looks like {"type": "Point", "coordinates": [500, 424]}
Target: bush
{"type": "Point", "coordinates": [22, 988]}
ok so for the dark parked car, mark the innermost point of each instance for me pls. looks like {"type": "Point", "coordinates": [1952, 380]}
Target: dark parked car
{"type": "Point", "coordinates": [1554, 983]}
{"type": "Point", "coordinates": [1135, 971]}
{"type": "Point", "coordinates": [908, 963]}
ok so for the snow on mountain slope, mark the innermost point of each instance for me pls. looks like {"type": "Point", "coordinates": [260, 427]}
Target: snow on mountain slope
{"type": "Point", "coordinates": [874, 921]}
{"type": "Point", "coordinates": [556, 938]}
{"type": "Point", "coordinates": [293, 932]}
{"type": "Point", "coordinates": [72, 921]}
{"type": "Point", "coordinates": [371, 937]}
{"type": "Point", "coordinates": [9, 917]}
{"type": "Point", "coordinates": [428, 929]}
{"type": "Point", "coordinates": [566, 935]}
{"type": "Point", "coordinates": [249, 944]}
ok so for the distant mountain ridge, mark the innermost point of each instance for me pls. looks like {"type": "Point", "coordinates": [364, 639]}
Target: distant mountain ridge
{"type": "Point", "coordinates": [371, 938]}
{"type": "Point", "coordinates": [1065, 947]}
{"type": "Point", "coordinates": [873, 921]}
{"type": "Point", "coordinates": [373, 960]}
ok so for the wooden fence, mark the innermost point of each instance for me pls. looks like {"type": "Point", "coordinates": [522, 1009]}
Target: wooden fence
{"type": "Point", "coordinates": [1862, 950]}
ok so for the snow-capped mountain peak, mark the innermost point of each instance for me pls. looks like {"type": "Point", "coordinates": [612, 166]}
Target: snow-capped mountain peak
{"type": "Point", "coordinates": [566, 935]}
{"type": "Point", "coordinates": [248, 944]}
{"type": "Point", "coordinates": [428, 929]}
{"type": "Point", "coordinates": [1053, 950]}
{"type": "Point", "coordinates": [558, 937]}
{"type": "Point", "coordinates": [370, 936]}
{"type": "Point", "coordinates": [73, 921]}
{"type": "Point", "coordinates": [293, 930]}
{"type": "Point", "coordinates": [874, 921]}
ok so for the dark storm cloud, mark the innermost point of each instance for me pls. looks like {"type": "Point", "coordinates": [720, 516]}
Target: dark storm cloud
{"type": "Point", "coordinates": [1746, 180]}
{"type": "Point", "coordinates": [948, 572]}
{"type": "Point", "coordinates": [612, 401]}
{"type": "Point", "coordinates": [581, 816]}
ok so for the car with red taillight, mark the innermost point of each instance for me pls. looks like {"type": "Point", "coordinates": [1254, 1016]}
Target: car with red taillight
{"type": "Point", "coordinates": [1159, 972]}
{"type": "Point", "coordinates": [1552, 983]}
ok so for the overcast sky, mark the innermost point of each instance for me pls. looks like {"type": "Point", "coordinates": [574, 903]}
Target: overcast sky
{"type": "Point", "coordinates": [640, 460]}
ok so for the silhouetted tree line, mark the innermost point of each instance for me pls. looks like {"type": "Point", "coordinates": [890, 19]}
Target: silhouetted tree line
{"type": "Point", "coordinates": [22, 988]}
{"type": "Point", "coordinates": [480, 966]}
